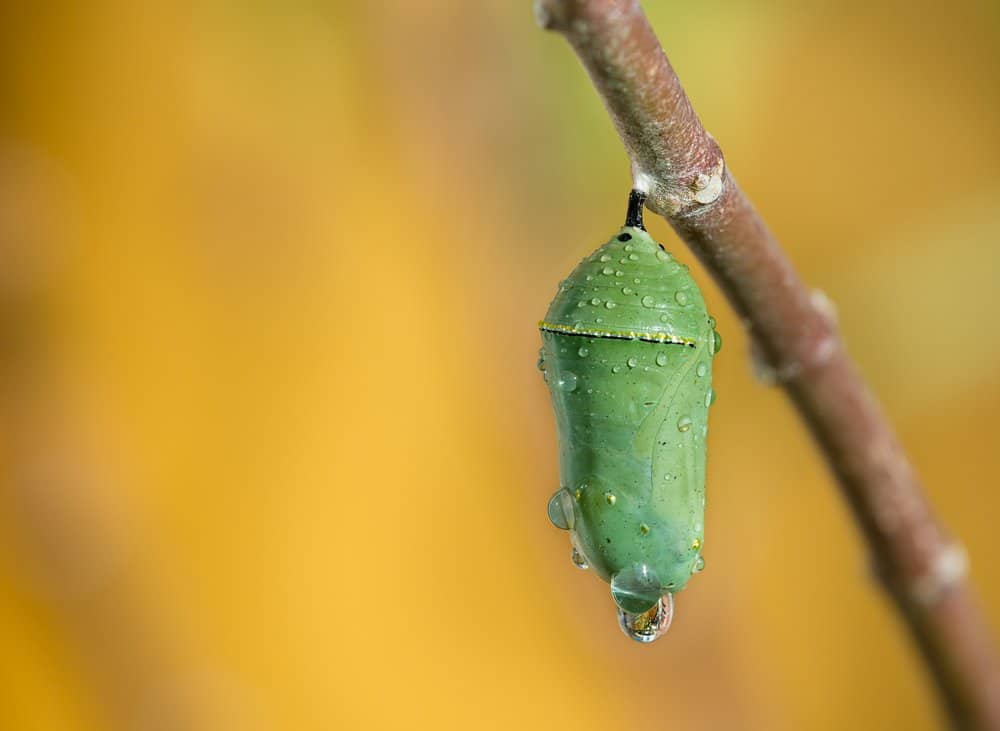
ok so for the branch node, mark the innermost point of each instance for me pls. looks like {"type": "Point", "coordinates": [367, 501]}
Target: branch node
{"type": "Point", "coordinates": [948, 569]}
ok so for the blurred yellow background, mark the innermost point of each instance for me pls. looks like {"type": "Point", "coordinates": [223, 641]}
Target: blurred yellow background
{"type": "Point", "coordinates": [274, 451]}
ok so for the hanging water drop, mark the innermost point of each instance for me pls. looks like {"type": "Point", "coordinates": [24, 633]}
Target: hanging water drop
{"type": "Point", "coordinates": [579, 560]}
{"type": "Point", "coordinates": [684, 423]}
{"type": "Point", "coordinates": [645, 627]}
{"type": "Point", "coordinates": [699, 565]}
{"type": "Point", "coordinates": [635, 589]}
{"type": "Point", "coordinates": [560, 509]}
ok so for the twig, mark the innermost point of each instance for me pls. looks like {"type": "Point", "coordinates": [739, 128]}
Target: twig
{"type": "Point", "coordinates": [681, 169]}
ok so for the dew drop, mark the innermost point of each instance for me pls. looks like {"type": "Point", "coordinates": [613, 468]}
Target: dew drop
{"type": "Point", "coordinates": [627, 290]}
{"type": "Point", "coordinates": [579, 560]}
{"type": "Point", "coordinates": [664, 318]}
{"type": "Point", "coordinates": [632, 362]}
{"type": "Point", "coordinates": [637, 281]}
{"type": "Point", "coordinates": [701, 370]}
{"type": "Point", "coordinates": [683, 423]}
{"type": "Point", "coordinates": [583, 352]}
{"type": "Point", "coordinates": [648, 301]}
{"type": "Point", "coordinates": [662, 255]}
{"type": "Point", "coordinates": [661, 359]}
{"type": "Point", "coordinates": [699, 566]}
{"type": "Point", "coordinates": [681, 297]}
{"type": "Point", "coordinates": [561, 509]}
{"type": "Point", "coordinates": [716, 341]}
{"type": "Point", "coordinates": [611, 498]}
{"type": "Point", "coordinates": [567, 381]}
{"type": "Point", "coordinates": [610, 305]}
{"type": "Point", "coordinates": [607, 271]}
{"type": "Point", "coordinates": [606, 258]}
{"type": "Point", "coordinates": [619, 273]}
{"type": "Point", "coordinates": [645, 627]}
{"type": "Point", "coordinates": [616, 369]}
{"type": "Point", "coordinates": [710, 397]}
{"type": "Point", "coordinates": [628, 247]}
{"type": "Point", "coordinates": [636, 588]}
{"type": "Point", "coordinates": [633, 257]}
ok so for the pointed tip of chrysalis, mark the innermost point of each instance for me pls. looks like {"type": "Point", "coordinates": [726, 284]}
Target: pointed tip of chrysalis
{"type": "Point", "coordinates": [633, 216]}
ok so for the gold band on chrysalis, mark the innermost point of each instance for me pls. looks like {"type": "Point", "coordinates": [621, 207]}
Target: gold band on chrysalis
{"type": "Point", "coordinates": [617, 335]}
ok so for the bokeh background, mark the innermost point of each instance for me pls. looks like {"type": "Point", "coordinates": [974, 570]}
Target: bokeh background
{"type": "Point", "coordinates": [273, 450]}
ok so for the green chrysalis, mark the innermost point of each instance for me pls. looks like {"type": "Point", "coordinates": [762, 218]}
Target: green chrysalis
{"type": "Point", "coordinates": [627, 348]}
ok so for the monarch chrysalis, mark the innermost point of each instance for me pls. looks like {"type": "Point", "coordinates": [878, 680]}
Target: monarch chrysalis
{"type": "Point", "coordinates": [627, 348]}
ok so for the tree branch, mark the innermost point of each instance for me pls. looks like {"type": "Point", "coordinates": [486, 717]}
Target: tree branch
{"type": "Point", "coordinates": [794, 335]}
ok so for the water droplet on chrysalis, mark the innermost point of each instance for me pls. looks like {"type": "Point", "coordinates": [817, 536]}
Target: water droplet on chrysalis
{"type": "Point", "coordinates": [699, 566]}
{"type": "Point", "coordinates": [681, 298]}
{"type": "Point", "coordinates": [560, 509]}
{"type": "Point", "coordinates": [661, 359]}
{"type": "Point", "coordinates": [636, 588]}
{"type": "Point", "coordinates": [583, 352]}
{"type": "Point", "coordinates": [645, 627]}
{"type": "Point", "coordinates": [716, 341]}
{"type": "Point", "coordinates": [701, 370]}
{"type": "Point", "coordinates": [632, 362]}
{"type": "Point", "coordinates": [567, 381]}
{"type": "Point", "coordinates": [648, 301]}
{"type": "Point", "coordinates": [579, 560]}
{"type": "Point", "coordinates": [684, 423]}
